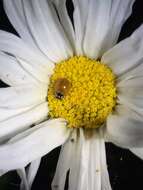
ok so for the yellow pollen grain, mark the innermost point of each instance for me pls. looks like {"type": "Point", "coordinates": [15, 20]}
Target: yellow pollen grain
{"type": "Point", "coordinates": [92, 95]}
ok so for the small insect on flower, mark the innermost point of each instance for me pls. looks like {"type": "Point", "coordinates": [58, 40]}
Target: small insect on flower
{"type": "Point", "coordinates": [61, 87]}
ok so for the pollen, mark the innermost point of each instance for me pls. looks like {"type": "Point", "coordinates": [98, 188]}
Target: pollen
{"type": "Point", "coordinates": [82, 91]}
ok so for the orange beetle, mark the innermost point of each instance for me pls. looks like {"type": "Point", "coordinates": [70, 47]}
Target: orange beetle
{"type": "Point", "coordinates": [61, 87]}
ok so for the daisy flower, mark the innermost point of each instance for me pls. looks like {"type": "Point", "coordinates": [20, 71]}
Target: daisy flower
{"type": "Point", "coordinates": [69, 85]}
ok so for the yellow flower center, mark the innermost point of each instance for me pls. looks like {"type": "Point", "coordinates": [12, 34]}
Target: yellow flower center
{"type": "Point", "coordinates": [82, 91]}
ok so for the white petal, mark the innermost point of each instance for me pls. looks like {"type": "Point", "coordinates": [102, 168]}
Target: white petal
{"type": "Point", "coordinates": [105, 180]}
{"type": "Point", "coordinates": [76, 167]}
{"type": "Point", "coordinates": [130, 89]}
{"type": "Point", "coordinates": [46, 29]}
{"type": "Point", "coordinates": [12, 73]}
{"type": "Point", "coordinates": [32, 171]}
{"type": "Point", "coordinates": [138, 152]}
{"type": "Point", "coordinates": [86, 160]}
{"type": "Point", "coordinates": [88, 169]}
{"type": "Point", "coordinates": [62, 169]}
{"type": "Point", "coordinates": [70, 156]}
{"type": "Point", "coordinates": [24, 184]}
{"type": "Point", "coordinates": [25, 148]}
{"type": "Point", "coordinates": [124, 127]}
{"type": "Point", "coordinates": [81, 10]}
{"type": "Point", "coordinates": [6, 113]}
{"type": "Point", "coordinates": [27, 175]}
{"type": "Point", "coordinates": [131, 98]}
{"type": "Point", "coordinates": [15, 13]}
{"type": "Point", "coordinates": [132, 80]}
{"type": "Point", "coordinates": [104, 22]}
{"type": "Point", "coordinates": [65, 20]}
{"type": "Point", "coordinates": [20, 122]}
{"type": "Point", "coordinates": [40, 74]}
{"type": "Point", "coordinates": [133, 76]}
{"type": "Point", "coordinates": [127, 54]}
{"type": "Point", "coordinates": [29, 57]}
{"type": "Point", "coordinates": [22, 96]}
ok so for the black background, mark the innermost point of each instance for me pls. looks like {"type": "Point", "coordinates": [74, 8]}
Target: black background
{"type": "Point", "coordinates": [125, 169]}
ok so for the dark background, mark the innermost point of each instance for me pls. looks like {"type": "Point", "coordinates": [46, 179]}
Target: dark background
{"type": "Point", "coordinates": [125, 169]}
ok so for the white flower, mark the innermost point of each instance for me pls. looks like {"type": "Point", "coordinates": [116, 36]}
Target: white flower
{"type": "Point", "coordinates": [28, 61]}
